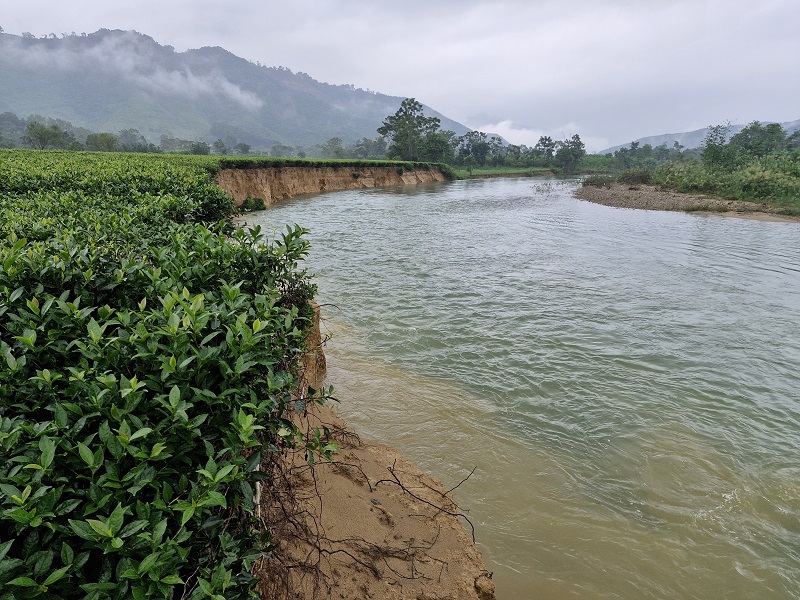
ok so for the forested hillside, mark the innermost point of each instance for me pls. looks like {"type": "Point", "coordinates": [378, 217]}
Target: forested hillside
{"type": "Point", "coordinates": [118, 80]}
{"type": "Point", "coordinates": [693, 139]}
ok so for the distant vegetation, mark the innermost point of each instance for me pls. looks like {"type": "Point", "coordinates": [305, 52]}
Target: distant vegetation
{"type": "Point", "coordinates": [148, 355]}
{"type": "Point", "coordinates": [760, 163]}
{"type": "Point", "coordinates": [754, 164]}
{"type": "Point", "coordinates": [408, 135]}
{"type": "Point", "coordinates": [413, 136]}
{"type": "Point", "coordinates": [109, 81]}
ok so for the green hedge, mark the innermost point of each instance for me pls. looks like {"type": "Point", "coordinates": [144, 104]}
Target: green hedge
{"type": "Point", "coordinates": [148, 354]}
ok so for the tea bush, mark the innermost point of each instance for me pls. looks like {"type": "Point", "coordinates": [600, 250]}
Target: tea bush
{"type": "Point", "coordinates": [148, 354]}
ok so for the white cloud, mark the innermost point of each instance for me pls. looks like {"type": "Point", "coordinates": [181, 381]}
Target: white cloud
{"type": "Point", "coordinates": [125, 55]}
{"type": "Point", "coordinates": [528, 136]}
{"type": "Point", "coordinates": [621, 68]}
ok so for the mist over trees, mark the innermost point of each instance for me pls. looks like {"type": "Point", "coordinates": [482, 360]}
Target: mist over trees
{"type": "Point", "coordinates": [112, 80]}
{"type": "Point", "coordinates": [47, 133]}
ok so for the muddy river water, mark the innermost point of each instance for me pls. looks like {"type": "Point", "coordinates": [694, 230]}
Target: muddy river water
{"type": "Point", "coordinates": [626, 383]}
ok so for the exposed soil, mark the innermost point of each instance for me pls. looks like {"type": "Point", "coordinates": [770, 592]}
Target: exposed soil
{"type": "Point", "coordinates": [653, 198]}
{"type": "Point", "coordinates": [510, 175]}
{"type": "Point", "coordinates": [279, 183]}
{"type": "Point", "coordinates": [368, 524]}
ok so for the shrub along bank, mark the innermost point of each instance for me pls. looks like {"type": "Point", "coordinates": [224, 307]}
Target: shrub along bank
{"type": "Point", "coordinates": [148, 354]}
{"type": "Point", "coordinates": [758, 164]}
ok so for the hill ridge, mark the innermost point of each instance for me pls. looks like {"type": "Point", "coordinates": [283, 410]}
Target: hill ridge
{"type": "Point", "coordinates": [112, 80]}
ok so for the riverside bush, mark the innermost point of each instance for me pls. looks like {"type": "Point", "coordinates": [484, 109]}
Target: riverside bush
{"type": "Point", "coordinates": [635, 177]}
{"type": "Point", "coordinates": [148, 354]}
{"type": "Point", "coordinates": [598, 181]}
{"type": "Point", "coordinates": [774, 178]}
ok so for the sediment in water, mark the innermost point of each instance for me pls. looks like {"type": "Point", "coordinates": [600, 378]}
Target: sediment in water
{"type": "Point", "coordinates": [369, 523]}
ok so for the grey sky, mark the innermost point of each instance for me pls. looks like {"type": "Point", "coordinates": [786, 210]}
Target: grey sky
{"type": "Point", "coordinates": [609, 70]}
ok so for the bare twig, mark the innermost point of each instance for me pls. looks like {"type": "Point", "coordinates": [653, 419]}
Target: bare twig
{"type": "Point", "coordinates": [397, 482]}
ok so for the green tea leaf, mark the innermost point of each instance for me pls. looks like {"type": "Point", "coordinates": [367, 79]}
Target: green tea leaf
{"type": "Point", "coordinates": [100, 527]}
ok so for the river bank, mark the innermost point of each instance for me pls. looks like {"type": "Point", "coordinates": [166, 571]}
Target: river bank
{"type": "Point", "coordinates": [651, 197]}
{"type": "Point", "coordinates": [611, 374]}
{"type": "Point", "coordinates": [514, 175]}
{"type": "Point", "coordinates": [279, 183]}
{"type": "Point", "coordinates": [369, 523]}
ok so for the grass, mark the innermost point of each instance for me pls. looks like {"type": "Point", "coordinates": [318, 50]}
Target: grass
{"type": "Point", "coordinates": [503, 171]}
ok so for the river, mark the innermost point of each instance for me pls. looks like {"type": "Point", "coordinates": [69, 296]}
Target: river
{"type": "Point", "coordinates": [626, 383]}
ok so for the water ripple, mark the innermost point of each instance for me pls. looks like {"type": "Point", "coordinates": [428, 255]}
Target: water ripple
{"type": "Point", "coordinates": [626, 381]}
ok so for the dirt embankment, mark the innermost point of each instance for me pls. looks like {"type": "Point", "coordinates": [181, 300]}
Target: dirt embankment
{"type": "Point", "coordinates": [368, 524]}
{"type": "Point", "coordinates": [653, 198]}
{"type": "Point", "coordinates": [274, 184]}
{"type": "Point", "coordinates": [511, 175]}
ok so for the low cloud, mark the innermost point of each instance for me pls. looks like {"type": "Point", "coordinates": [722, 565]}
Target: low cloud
{"type": "Point", "coordinates": [519, 134]}
{"type": "Point", "coordinates": [128, 56]}
{"type": "Point", "coordinates": [622, 69]}
{"type": "Point", "coordinates": [188, 84]}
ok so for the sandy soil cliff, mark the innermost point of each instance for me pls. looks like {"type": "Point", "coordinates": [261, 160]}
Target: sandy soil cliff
{"type": "Point", "coordinates": [274, 184]}
{"type": "Point", "coordinates": [369, 523]}
{"type": "Point", "coordinates": [366, 524]}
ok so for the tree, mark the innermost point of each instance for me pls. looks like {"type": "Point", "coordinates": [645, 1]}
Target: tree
{"type": "Point", "coordinates": [220, 147]}
{"type": "Point", "coordinates": [407, 130]}
{"type": "Point", "coordinates": [474, 144]}
{"type": "Point", "coordinates": [199, 148]}
{"type": "Point", "coordinates": [41, 136]}
{"type": "Point", "coordinates": [756, 140]}
{"type": "Point", "coordinates": [281, 150]}
{"type": "Point", "coordinates": [439, 146]}
{"type": "Point", "coordinates": [569, 154]}
{"type": "Point", "coordinates": [793, 141]}
{"type": "Point", "coordinates": [470, 163]}
{"type": "Point", "coordinates": [367, 148]}
{"type": "Point", "coordinates": [545, 147]}
{"type": "Point", "coordinates": [130, 140]}
{"type": "Point", "coordinates": [242, 148]}
{"type": "Point", "coordinates": [333, 148]}
{"type": "Point", "coordinates": [497, 152]}
{"type": "Point", "coordinates": [104, 142]}
{"type": "Point", "coordinates": [714, 151]}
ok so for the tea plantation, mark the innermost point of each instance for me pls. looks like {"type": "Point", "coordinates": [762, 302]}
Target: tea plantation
{"type": "Point", "coordinates": [148, 351]}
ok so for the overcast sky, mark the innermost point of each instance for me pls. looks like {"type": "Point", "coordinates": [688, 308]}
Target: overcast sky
{"type": "Point", "coordinates": [610, 70]}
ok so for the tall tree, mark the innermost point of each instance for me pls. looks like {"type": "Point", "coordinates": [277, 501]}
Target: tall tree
{"type": "Point", "coordinates": [545, 147]}
{"type": "Point", "coordinates": [759, 140]}
{"type": "Point", "coordinates": [716, 155]}
{"type": "Point", "coordinates": [569, 154]}
{"type": "Point", "coordinates": [367, 148]}
{"type": "Point", "coordinates": [220, 147]}
{"type": "Point", "coordinates": [42, 136]}
{"type": "Point", "coordinates": [407, 130]}
{"type": "Point", "coordinates": [333, 148]}
{"type": "Point", "coordinates": [474, 144]}
{"type": "Point", "coordinates": [439, 146]}
{"type": "Point", "coordinates": [793, 141]}
{"type": "Point", "coordinates": [104, 142]}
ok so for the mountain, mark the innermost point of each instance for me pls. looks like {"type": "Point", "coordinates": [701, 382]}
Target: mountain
{"type": "Point", "coordinates": [112, 80]}
{"type": "Point", "coordinates": [693, 139]}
